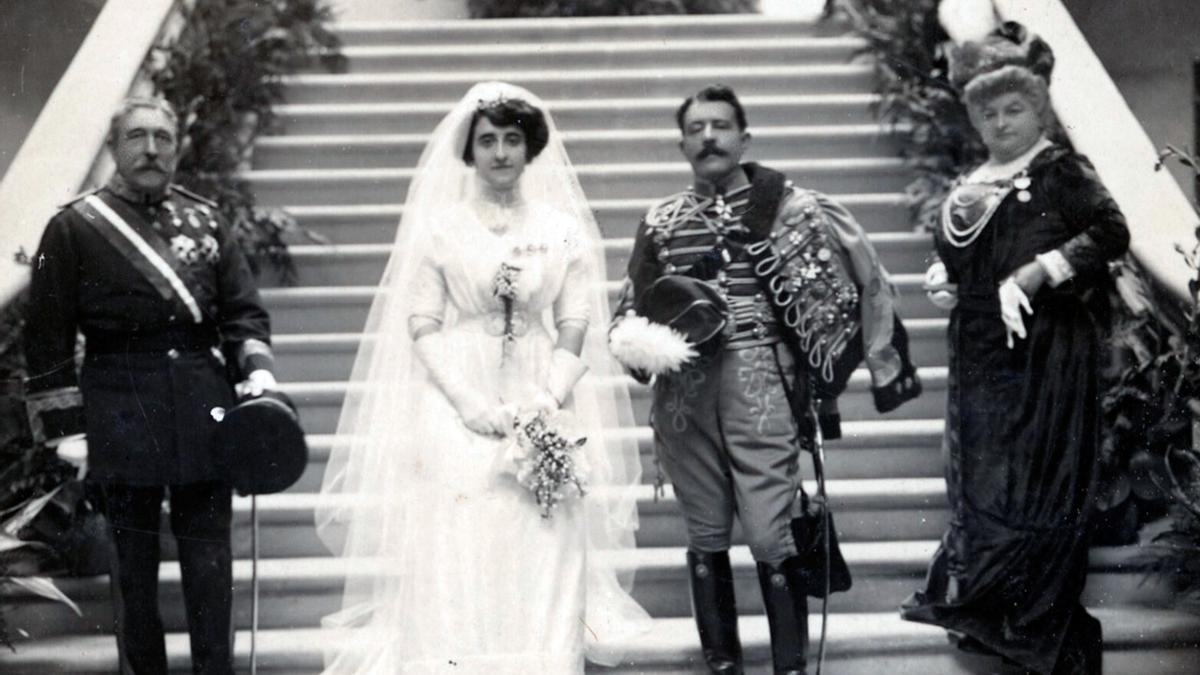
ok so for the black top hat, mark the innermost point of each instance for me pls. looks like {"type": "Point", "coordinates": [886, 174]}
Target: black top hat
{"type": "Point", "coordinates": [687, 305]}
{"type": "Point", "coordinates": [260, 445]}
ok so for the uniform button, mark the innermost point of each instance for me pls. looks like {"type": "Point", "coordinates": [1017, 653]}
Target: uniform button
{"type": "Point", "coordinates": [173, 353]}
{"type": "Point", "coordinates": [171, 318]}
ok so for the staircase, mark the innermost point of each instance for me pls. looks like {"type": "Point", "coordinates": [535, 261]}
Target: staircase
{"type": "Point", "coordinates": [342, 165]}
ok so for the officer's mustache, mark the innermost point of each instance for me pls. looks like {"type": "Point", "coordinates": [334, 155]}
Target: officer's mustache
{"type": "Point", "coordinates": [711, 150]}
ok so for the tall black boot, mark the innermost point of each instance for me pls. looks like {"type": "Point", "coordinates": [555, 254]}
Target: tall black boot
{"type": "Point", "coordinates": [786, 602]}
{"type": "Point", "coordinates": [715, 610]}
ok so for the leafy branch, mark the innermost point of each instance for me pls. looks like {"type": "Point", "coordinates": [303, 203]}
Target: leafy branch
{"type": "Point", "coordinates": [224, 74]}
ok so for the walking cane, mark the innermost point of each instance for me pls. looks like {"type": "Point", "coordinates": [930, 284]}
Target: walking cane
{"type": "Point", "coordinates": [253, 584]}
{"type": "Point", "coordinates": [827, 524]}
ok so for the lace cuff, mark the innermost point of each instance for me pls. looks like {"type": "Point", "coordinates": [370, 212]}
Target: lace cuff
{"type": "Point", "coordinates": [1057, 267]}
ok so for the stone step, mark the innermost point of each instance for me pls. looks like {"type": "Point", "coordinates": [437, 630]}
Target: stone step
{"type": "Point", "coordinates": [600, 83]}
{"type": "Point", "coordinates": [1136, 640]}
{"type": "Point", "coordinates": [616, 52]}
{"type": "Point", "coordinates": [342, 309]}
{"type": "Point", "coordinates": [330, 356]}
{"type": "Point", "coordinates": [362, 264]}
{"type": "Point", "coordinates": [905, 448]}
{"type": "Point", "coordinates": [867, 511]}
{"type": "Point", "coordinates": [645, 180]}
{"type": "Point", "coordinates": [1142, 641]}
{"type": "Point", "coordinates": [320, 403]}
{"type": "Point", "coordinates": [579, 30]}
{"type": "Point", "coordinates": [297, 592]}
{"type": "Point", "coordinates": [348, 223]}
{"type": "Point", "coordinates": [419, 117]}
{"type": "Point", "coordinates": [770, 144]}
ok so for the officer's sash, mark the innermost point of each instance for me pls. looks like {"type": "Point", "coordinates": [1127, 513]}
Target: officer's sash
{"type": "Point", "coordinates": [126, 230]}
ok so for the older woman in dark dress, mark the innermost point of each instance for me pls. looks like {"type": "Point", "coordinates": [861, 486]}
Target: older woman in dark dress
{"type": "Point", "coordinates": [1024, 243]}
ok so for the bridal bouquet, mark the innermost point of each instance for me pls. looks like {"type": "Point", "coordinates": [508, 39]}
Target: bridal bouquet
{"type": "Point", "coordinates": [546, 458]}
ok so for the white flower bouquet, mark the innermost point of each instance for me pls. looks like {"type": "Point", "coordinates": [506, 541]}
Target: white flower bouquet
{"type": "Point", "coordinates": [545, 458]}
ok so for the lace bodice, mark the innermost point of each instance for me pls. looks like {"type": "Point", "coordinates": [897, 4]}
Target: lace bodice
{"type": "Point", "coordinates": [456, 281]}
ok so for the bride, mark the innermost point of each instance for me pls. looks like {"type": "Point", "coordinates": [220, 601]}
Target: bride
{"type": "Point", "coordinates": [450, 566]}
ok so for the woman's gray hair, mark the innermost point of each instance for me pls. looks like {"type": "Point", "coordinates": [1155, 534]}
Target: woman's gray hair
{"type": "Point", "coordinates": [134, 103]}
{"type": "Point", "coordinates": [1007, 80]}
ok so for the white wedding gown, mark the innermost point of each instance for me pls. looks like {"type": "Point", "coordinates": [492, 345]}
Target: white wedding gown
{"type": "Point", "coordinates": [490, 586]}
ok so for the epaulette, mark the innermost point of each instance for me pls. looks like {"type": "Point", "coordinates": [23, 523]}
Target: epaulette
{"type": "Point", "coordinates": [81, 195]}
{"type": "Point", "coordinates": [179, 189]}
{"type": "Point", "coordinates": [666, 210]}
{"type": "Point", "coordinates": [801, 206]}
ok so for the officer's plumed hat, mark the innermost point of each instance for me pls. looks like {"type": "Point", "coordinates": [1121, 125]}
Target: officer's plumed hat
{"type": "Point", "coordinates": [672, 317]}
{"type": "Point", "coordinates": [261, 446]}
{"type": "Point", "coordinates": [687, 305]}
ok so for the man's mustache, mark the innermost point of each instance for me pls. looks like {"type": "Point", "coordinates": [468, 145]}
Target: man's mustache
{"type": "Point", "coordinates": [711, 151]}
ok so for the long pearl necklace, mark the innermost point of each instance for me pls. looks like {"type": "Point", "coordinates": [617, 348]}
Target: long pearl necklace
{"type": "Point", "coordinates": [991, 184]}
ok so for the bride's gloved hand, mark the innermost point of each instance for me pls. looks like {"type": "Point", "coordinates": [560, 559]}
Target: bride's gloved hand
{"type": "Point", "coordinates": [490, 420]}
{"type": "Point", "coordinates": [566, 369]}
{"type": "Point", "coordinates": [472, 407]}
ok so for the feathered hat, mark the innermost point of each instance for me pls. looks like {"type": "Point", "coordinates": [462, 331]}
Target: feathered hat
{"type": "Point", "coordinates": [1008, 45]}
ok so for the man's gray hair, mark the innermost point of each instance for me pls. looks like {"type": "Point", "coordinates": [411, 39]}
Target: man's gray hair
{"type": "Point", "coordinates": [134, 103]}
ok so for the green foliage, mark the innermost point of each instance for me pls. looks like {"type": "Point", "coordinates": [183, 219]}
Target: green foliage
{"type": "Point", "coordinates": [1174, 556]}
{"type": "Point", "coordinates": [223, 73]}
{"type": "Point", "coordinates": [906, 42]}
{"type": "Point", "coordinates": [500, 9]}
{"type": "Point", "coordinates": [28, 471]}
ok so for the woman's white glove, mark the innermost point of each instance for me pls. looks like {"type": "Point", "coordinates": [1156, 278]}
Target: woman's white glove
{"type": "Point", "coordinates": [939, 290]}
{"type": "Point", "coordinates": [256, 383]}
{"type": "Point", "coordinates": [74, 451]}
{"type": "Point", "coordinates": [476, 414]}
{"type": "Point", "coordinates": [1012, 301]}
{"type": "Point", "coordinates": [566, 369]}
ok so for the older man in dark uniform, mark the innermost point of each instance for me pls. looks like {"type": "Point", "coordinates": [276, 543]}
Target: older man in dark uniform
{"type": "Point", "coordinates": [806, 298]}
{"type": "Point", "coordinates": [154, 280]}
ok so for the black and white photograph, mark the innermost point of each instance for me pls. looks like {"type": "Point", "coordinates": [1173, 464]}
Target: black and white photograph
{"type": "Point", "coordinates": [660, 337]}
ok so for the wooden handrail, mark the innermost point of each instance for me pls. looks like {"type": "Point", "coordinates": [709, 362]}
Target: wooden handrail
{"type": "Point", "coordinates": [1101, 126]}
{"type": "Point", "coordinates": [61, 150]}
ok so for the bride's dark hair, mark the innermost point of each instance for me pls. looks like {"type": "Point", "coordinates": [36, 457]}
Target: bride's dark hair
{"type": "Point", "coordinates": [510, 112]}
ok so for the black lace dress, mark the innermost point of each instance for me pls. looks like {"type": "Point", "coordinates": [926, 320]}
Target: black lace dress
{"type": "Point", "coordinates": [1022, 433]}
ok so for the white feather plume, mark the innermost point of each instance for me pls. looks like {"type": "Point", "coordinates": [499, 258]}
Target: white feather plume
{"type": "Point", "coordinates": [967, 20]}
{"type": "Point", "coordinates": [640, 344]}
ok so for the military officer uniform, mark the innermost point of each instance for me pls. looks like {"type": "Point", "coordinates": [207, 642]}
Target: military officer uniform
{"type": "Point", "coordinates": [730, 424]}
{"type": "Point", "coordinates": [170, 316]}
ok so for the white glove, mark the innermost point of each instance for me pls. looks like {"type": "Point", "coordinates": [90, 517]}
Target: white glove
{"type": "Point", "coordinates": [476, 414]}
{"type": "Point", "coordinates": [939, 290]}
{"type": "Point", "coordinates": [74, 451]}
{"type": "Point", "coordinates": [494, 421]}
{"type": "Point", "coordinates": [256, 383]}
{"type": "Point", "coordinates": [566, 369]}
{"type": "Point", "coordinates": [1012, 301]}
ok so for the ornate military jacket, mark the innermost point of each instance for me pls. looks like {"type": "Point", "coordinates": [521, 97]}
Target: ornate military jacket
{"type": "Point", "coordinates": [795, 266]}
{"type": "Point", "coordinates": [169, 312]}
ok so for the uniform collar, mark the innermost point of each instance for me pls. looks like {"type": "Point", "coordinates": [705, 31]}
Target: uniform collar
{"type": "Point", "coordinates": [120, 188]}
